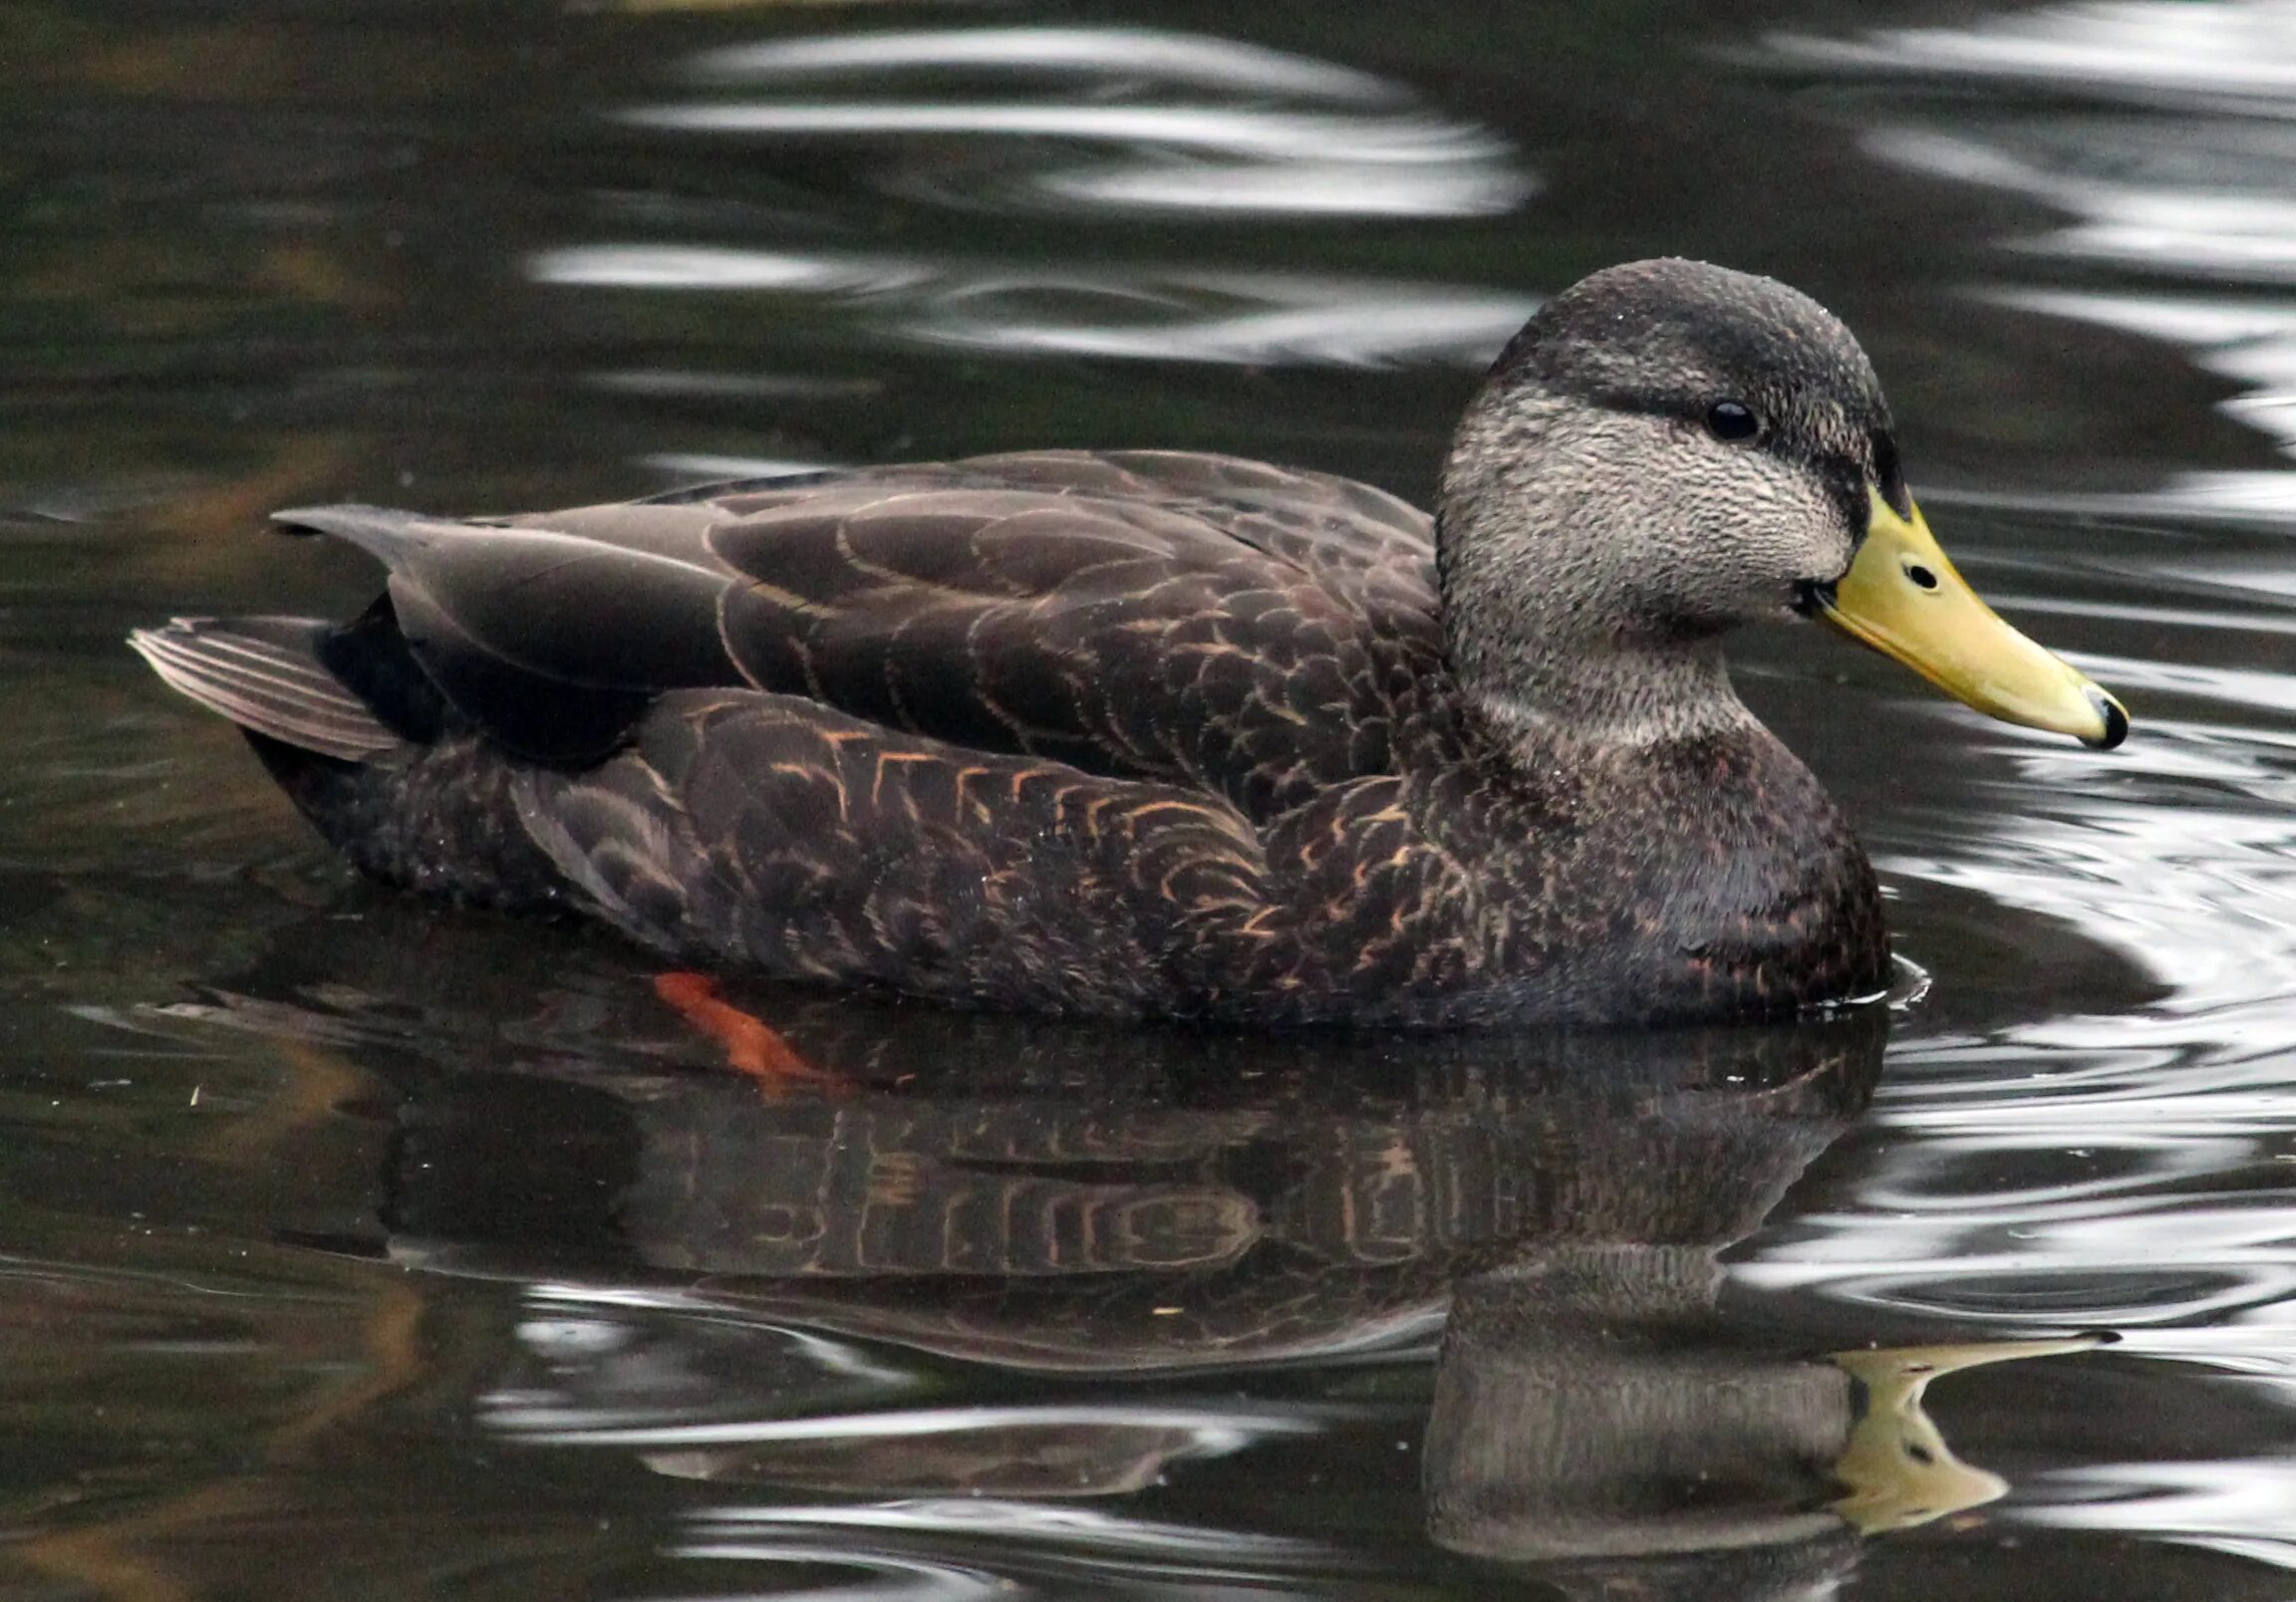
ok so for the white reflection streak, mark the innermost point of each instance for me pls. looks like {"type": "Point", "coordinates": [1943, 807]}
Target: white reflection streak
{"type": "Point", "coordinates": [1926, 1180]}
{"type": "Point", "coordinates": [701, 467]}
{"type": "Point", "coordinates": [2020, 1290]}
{"type": "Point", "coordinates": [937, 1581]}
{"type": "Point", "coordinates": [1033, 1521]}
{"type": "Point", "coordinates": [2194, 227]}
{"type": "Point", "coordinates": [1109, 52]}
{"type": "Point", "coordinates": [1343, 188]}
{"type": "Point", "coordinates": [1227, 318]}
{"type": "Point", "coordinates": [715, 267]}
{"type": "Point", "coordinates": [2253, 345]}
{"type": "Point", "coordinates": [2239, 1508]}
{"type": "Point", "coordinates": [1373, 327]}
{"type": "Point", "coordinates": [2231, 236]}
{"type": "Point", "coordinates": [1232, 145]}
{"type": "Point", "coordinates": [2246, 496]}
{"type": "Point", "coordinates": [2210, 51]}
{"type": "Point", "coordinates": [1214, 1431]}
{"type": "Point", "coordinates": [1263, 136]}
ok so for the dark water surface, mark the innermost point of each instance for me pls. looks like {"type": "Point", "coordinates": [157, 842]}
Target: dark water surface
{"type": "Point", "coordinates": [352, 1249]}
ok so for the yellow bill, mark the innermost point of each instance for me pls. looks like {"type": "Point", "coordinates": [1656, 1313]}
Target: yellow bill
{"type": "Point", "coordinates": [1902, 598]}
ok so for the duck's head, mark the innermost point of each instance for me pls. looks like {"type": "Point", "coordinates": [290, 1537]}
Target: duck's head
{"type": "Point", "coordinates": [1669, 449]}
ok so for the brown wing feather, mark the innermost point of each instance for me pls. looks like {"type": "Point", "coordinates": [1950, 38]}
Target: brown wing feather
{"type": "Point", "coordinates": [1201, 620]}
{"type": "Point", "coordinates": [817, 845]}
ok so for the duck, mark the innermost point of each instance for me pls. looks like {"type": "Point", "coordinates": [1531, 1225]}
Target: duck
{"type": "Point", "coordinates": [1142, 735]}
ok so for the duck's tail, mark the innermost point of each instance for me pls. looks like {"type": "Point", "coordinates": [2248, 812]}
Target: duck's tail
{"type": "Point", "coordinates": [403, 809]}
{"type": "Point", "coordinates": [267, 675]}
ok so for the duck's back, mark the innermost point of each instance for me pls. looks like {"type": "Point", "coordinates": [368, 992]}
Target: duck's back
{"type": "Point", "coordinates": [1202, 621]}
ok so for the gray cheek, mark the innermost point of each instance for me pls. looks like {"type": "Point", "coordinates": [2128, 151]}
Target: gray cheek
{"type": "Point", "coordinates": [1756, 527]}
{"type": "Point", "coordinates": [1791, 527]}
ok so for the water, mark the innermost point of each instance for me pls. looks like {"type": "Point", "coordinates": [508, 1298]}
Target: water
{"type": "Point", "coordinates": [347, 1248]}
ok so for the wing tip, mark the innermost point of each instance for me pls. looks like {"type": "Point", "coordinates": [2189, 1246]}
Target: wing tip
{"type": "Point", "coordinates": [382, 532]}
{"type": "Point", "coordinates": [314, 519]}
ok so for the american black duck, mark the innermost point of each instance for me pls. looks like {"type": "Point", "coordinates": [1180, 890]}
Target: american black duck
{"type": "Point", "coordinates": [1147, 733]}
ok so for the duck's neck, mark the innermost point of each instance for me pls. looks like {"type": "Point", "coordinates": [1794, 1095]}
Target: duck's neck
{"type": "Point", "coordinates": [1546, 631]}
{"type": "Point", "coordinates": [1544, 665]}
{"type": "Point", "coordinates": [1615, 699]}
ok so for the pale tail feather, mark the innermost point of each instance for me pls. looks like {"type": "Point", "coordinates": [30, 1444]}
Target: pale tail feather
{"type": "Point", "coordinates": [265, 673]}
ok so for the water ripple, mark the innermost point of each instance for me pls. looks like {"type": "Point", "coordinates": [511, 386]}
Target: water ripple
{"type": "Point", "coordinates": [2191, 203]}
{"type": "Point", "coordinates": [1032, 1522]}
{"type": "Point", "coordinates": [2132, 1167]}
{"type": "Point", "coordinates": [1122, 54]}
{"type": "Point", "coordinates": [1234, 318]}
{"type": "Point", "coordinates": [2237, 1507]}
{"type": "Point", "coordinates": [1349, 143]}
{"type": "Point", "coordinates": [2237, 57]}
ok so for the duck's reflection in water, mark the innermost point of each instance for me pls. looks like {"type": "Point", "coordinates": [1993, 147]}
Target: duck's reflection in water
{"type": "Point", "coordinates": [1082, 1222]}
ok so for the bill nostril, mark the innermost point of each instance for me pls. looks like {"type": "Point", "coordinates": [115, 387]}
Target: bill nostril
{"type": "Point", "coordinates": [1922, 575]}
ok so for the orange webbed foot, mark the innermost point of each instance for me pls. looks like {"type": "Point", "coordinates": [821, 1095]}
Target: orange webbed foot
{"type": "Point", "coordinates": [752, 1046]}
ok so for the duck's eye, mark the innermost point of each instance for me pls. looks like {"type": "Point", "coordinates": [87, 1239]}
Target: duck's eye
{"type": "Point", "coordinates": [1732, 421]}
